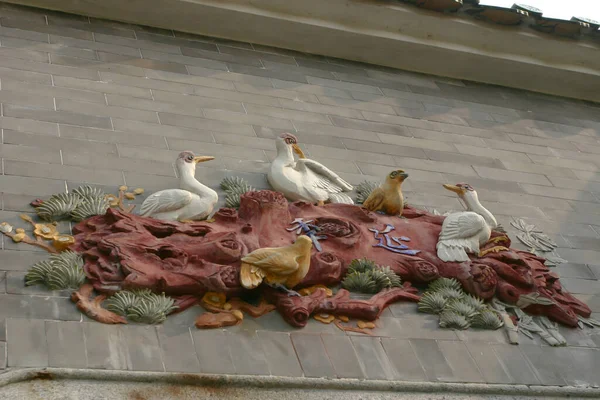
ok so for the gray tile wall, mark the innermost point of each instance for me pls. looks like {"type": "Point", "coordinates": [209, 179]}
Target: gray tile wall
{"type": "Point", "coordinates": [86, 100]}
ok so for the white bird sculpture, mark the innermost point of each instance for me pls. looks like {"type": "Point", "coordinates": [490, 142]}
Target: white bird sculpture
{"type": "Point", "coordinates": [305, 179]}
{"type": "Point", "coordinates": [191, 202]}
{"type": "Point", "coordinates": [464, 232]}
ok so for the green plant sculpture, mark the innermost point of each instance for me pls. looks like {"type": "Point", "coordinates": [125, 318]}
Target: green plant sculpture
{"type": "Point", "coordinates": [79, 204]}
{"type": "Point", "coordinates": [394, 279]}
{"type": "Point", "coordinates": [457, 309]}
{"type": "Point", "coordinates": [361, 265]}
{"type": "Point", "coordinates": [152, 309]}
{"type": "Point", "coordinates": [451, 320]}
{"type": "Point", "coordinates": [487, 319]}
{"type": "Point", "coordinates": [474, 302]}
{"type": "Point", "coordinates": [442, 283]}
{"type": "Point", "coordinates": [59, 206]}
{"type": "Point", "coordinates": [38, 273]}
{"type": "Point", "coordinates": [62, 271]}
{"type": "Point", "coordinates": [122, 302]}
{"type": "Point", "coordinates": [88, 193]}
{"type": "Point", "coordinates": [457, 306]}
{"type": "Point", "coordinates": [432, 303]}
{"type": "Point", "coordinates": [361, 282]}
{"type": "Point", "coordinates": [90, 208]}
{"type": "Point", "coordinates": [234, 187]}
{"type": "Point", "coordinates": [141, 305]}
{"type": "Point", "coordinates": [450, 293]}
{"type": "Point", "coordinates": [364, 276]}
{"type": "Point", "coordinates": [232, 197]}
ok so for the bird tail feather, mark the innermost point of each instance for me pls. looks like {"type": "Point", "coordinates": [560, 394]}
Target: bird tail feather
{"type": "Point", "coordinates": [452, 252]}
{"type": "Point", "coordinates": [250, 276]}
{"type": "Point", "coordinates": [342, 198]}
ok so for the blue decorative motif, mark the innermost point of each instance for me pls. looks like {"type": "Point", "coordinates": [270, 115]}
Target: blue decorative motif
{"type": "Point", "coordinates": [308, 229]}
{"type": "Point", "coordinates": [392, 243]}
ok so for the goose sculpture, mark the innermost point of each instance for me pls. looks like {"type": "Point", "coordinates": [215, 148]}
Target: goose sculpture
{"type": "Point", "coordinates": [305, 179]}
{"type": "Point", "coordinates": [464, 232]}
{"type": "Point", "coordinates": [191, 202]}
{"type": "Point", "coordinates": [388, 198]}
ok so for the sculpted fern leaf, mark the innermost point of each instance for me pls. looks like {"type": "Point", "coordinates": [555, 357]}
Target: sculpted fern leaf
{"type": "Point", "coordinates": [441, 283]}
{"type": "Point", "coordinates": [58, 206]}
{"type": "Point", "coordinates": [432, 303]}
{"type": "Point", "coordinates": [450, 320]}
{"type": "Point", "coordinates": [487, 319]}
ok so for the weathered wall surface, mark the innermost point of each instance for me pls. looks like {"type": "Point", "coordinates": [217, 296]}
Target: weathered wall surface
{"type": "Point", "coordinates": [105, 103]}
{"type": "Point", "coordinates": [382, 32]}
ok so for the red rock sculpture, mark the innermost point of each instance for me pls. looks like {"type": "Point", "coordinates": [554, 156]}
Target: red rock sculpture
{"type": "Point", "coordinates": [125, 251]}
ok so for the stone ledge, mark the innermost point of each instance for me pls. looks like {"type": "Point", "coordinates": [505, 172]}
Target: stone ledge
{"type": "Point", "coordinates": [247, 383]}
{"type": "Point", "coordinates": [382, 32]}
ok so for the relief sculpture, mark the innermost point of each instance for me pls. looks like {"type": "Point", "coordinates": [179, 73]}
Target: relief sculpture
{"type": "Point", "coordinates": [263, 253]}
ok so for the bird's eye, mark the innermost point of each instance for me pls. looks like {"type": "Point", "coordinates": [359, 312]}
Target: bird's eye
{"type": "Point", "coordinates": [190, 157]}
{"type": "Point", "coordinates": [393, 174]}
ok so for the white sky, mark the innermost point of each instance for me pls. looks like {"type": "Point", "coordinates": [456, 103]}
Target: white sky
{"type": "Point", "coordinates": [557, 8]}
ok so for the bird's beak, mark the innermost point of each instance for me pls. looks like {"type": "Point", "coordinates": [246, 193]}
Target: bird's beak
{"type": "Point", "coordinates": [200, 159]}
{"type": "Point", "coordinates": [403, 175]}
{"type": "Point", "coordinates": [454, 189]}
{"type": "Point", "coordinates": [298, 150]}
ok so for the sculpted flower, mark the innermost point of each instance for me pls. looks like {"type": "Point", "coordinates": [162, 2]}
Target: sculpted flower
{"type": "Point", "coordinates": [365, 325]}
{"type": "Point", "coordinates": [335, 227]}
{"type": "Point", "coordinates": [46, 231]}
{"type": "Point", "coordinates": [214, 299]}
{"type": "Point", "coordinates": [324, 318]}
{"type": "Point", "coordinates": [310, 290]}
{"type": "Point", "coordinates": [19, 235]}
{"type": "Point", "coordinates": [327, 257]}
{"type": "Point", "coordinates": [36, 203]}
{"type": "Point", "coordinates": [113, 200]}
{"type": "Point", "coordinates": [5, 227]}
{"type": "Point", "coordinates": [238, 315]}
{"type": "Point", "coordinates": [62, 242]}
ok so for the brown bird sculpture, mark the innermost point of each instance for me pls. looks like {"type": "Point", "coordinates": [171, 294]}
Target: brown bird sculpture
{"type": "Point", "coordinates": [387, 198]}
{"type": "Point", "coordinates": [280, 267]}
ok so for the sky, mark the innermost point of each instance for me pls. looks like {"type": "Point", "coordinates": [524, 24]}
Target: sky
{"type": "Point", "coordinates": [557, 8]}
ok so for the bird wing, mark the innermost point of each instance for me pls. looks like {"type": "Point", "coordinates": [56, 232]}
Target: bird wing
{"type": "Point", "coordinates": [273, 261]}
{"type": "Point", "coordinates": [375, 200]}
{"type": "Point", "coordinates": [165, 201]}
{"type": "Point", "coordinates": [323, 177]}
{"type": "Point", "coordinates": [462, 225]}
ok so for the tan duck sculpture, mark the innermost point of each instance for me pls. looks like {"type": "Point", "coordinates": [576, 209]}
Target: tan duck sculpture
{"type": "Point", "coordinates": [305, 179]}
{"type": "Point", "coordinates": [191, 202]}
{"type": "Point", "coordinates": [279, 267]}
{"type": "Point", "coordinates": [388, 197]}
{"type": "Point", "coordinates": [464, 232]}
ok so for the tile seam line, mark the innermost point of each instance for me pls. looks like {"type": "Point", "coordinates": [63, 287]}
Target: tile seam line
{"type": "Point", "coordinates": [243, 381]}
